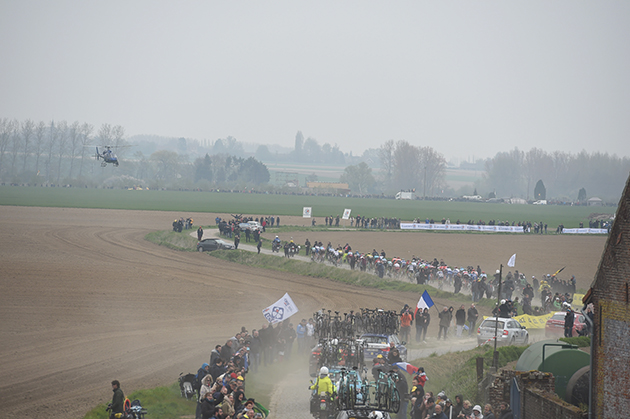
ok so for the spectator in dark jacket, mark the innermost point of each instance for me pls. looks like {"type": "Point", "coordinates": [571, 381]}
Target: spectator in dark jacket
{"type": "Point", "coordinates": [403, 390]}
{"type": "Point", "coordinates": [460, 320]}
{"type": "Point", "coordinates": [118, 399]}
{"type": "Point", "coordinates": [506, 412]}
{"type": "Point", "coordinates": [226, 351]}
{"type": "Point", "coordinates": [473, 315]}
{"type": "Point", "coordinates": [209, 405]}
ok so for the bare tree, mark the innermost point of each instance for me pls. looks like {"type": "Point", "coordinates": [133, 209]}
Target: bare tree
{"type": "Point", "coordinates": [38, 143]}
{"type": "Point", "coordinates": [104, 136]}
{"type": "Point", "coordinates": [28, 128]}
{"type": "Point", "coordinates": [118, 140]}
{"type": "Point", "coordinates": [50, 147]}
{"type": "Point", "coordinates": [62, 145]}
{"type": "Point", "coordinates": [86, 141]}
{"type": "Point", "coordinates": [434, 166]}
{"type": "Point", "coordinates": [74, 142]}
{"type": "Point", "coordinates": [407, 169]}
{"type": "Point", "coordinates": [6, 130]}
{"type": "Point", "coordinates": [386, 156]}
{"type": "Point", "coordinates": [166, 164]}
{"type": "Point", "coordinates": [16, 145]}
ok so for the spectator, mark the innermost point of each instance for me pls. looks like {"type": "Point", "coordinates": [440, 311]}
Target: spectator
{"type": "Point", "coordinates": [473, 315]}
{"type": "Point", "coordinates": [505, 411]}
{"type": "Point", "coordinates": [445, 321]}
{"type": "Point", "coordinates": [460, 320]}
{"type": "Point", "coordinates": [488, 413]}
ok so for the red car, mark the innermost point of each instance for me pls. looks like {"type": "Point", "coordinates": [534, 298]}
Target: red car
{"type": "Point", "coordinates": [554, 328]}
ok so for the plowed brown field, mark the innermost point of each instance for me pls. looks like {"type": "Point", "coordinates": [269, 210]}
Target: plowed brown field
{"type": "Point", "coordinates": [84, 299]}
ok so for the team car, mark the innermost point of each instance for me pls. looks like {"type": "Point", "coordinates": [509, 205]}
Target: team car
{"type": "Point", "coordinates": [207, 245]}
{"type": "Point", "coordinates": [555, 325]}
{"type": "Point", "coordinates": [378, 344]}
{"type": "Point", "coordinates": [509, 331]}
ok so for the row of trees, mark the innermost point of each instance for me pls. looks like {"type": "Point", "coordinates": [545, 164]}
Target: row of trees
{"type": "Point", "coordinates": [53, 151]}
{"type": "Point", "coordinates": [514, 174]}
{"type": "Point", "coordinates": [62, 153]}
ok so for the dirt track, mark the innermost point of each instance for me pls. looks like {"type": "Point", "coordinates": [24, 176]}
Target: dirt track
{"type": "Point", "coordinates": [85, 299]}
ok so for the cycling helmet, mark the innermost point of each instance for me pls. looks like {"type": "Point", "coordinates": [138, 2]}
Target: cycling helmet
{"type": "Point", "coordinates": [323, 371]}
{"type": "Point", "coordinates": [503, 301]}
{"type": "Point", "coordinates": [375, 414]}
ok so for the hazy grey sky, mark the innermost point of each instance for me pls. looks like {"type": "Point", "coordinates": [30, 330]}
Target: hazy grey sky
{"type": "Point", "coordinates": [465, 77]}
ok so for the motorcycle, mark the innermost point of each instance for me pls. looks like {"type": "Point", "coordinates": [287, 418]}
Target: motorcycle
{"type": "Point", "coordinates": [132, 410]}
{"type": "Point", "coordinates": [275, 246]}
{"type": "Point", "coordinates": [322, 406]}
{"type": "Point", "coordinates": [294, 250]}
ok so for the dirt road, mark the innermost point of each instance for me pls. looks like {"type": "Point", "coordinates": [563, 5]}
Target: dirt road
{"type": "Point", "coordinates": [85, 299]}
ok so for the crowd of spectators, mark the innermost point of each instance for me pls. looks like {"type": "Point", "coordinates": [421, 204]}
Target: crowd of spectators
{"type": "Point", "coordinates": [424, 405]}
{"type": "Point", "coordinates": [220, 383]}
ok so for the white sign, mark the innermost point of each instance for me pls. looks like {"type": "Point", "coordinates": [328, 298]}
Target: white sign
{"type": "Point", "coordinates": [346, 214]}
{"type": "Point", "coordinates": [460, 227]}
{"type": "Point", "coordinates": [280, 310]}
{"type": "Point", "coordinates": [306, 212]}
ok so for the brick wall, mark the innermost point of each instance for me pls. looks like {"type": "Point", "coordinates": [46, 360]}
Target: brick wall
{"type": "Point", "coordinates": [538, 397]}
{"type": "Point", "coordinates": [611, 298]}
{"type": "Point", "coordinates": [539, 404]}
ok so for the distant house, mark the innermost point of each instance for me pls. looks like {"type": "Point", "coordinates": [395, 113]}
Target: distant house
{"type": "Point", "coordinates": [595, 202]}
{"type": "Point", "coordinates": [610, 295]}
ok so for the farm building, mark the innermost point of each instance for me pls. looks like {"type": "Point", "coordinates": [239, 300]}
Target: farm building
{"type": "Point", "coordinates": [610, 295]}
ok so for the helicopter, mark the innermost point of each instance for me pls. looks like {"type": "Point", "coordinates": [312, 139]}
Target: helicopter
{"type": "Point", "coordinates": [107, 155]}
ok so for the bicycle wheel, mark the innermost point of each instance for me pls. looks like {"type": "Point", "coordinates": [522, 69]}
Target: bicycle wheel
{"type": "Point", "coordinates": [395, 401]}
{"type": "Point", "coordinates": [352, 397]}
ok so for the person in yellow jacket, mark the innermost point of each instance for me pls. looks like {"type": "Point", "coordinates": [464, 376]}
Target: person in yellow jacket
{"type": "Point", "coordinates": [323, 384]}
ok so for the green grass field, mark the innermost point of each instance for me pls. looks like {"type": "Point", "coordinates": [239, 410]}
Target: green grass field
{"type": "Point", "coordinates": [285, 205]}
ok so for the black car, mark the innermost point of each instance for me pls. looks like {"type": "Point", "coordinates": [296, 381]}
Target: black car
{"type": "Point", "coordinates": [213, 244]}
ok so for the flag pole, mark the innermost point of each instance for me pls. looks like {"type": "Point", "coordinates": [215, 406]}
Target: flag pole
{"type": "Point", "coordinates": [495, 354]}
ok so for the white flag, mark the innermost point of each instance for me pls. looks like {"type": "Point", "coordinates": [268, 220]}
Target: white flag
{"type": "Point", "coordinates": [306, 212]}
{"type": "Point", "coordinates": [280, 310]}
{"type": "Point", "coordinates": [346, 214]}
{"type": "Point", "coordinates": [512, 261]}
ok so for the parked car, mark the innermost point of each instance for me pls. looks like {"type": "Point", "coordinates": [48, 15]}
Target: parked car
{"type": "Point", "coordinates": [509, 331]}
{"type": "Point", "coordinates": [208, 245]}
{"type": "Point", "coordinates": [555, 325]}
{"type": "Point", "coordinates": [378, 344]}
